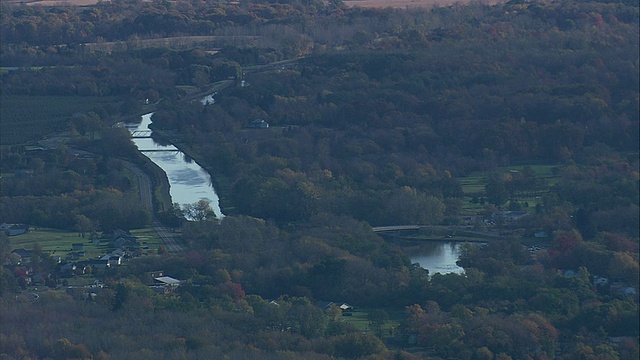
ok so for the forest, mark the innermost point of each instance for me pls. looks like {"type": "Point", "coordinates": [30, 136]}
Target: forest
{"type": "Point", "coordinates": [376, 117]}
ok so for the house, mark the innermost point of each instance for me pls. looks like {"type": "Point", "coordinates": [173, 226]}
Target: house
{"type": "Point", "coordinates": [568, 273]}
{"type": "Point", "coordinates": [24, 253]}
{"type": "Point", "coordinates": [509, 216]}
{"type": "Point", "coordinates": [12, 259]}
{"type": "Point", "coordinates": [126, 243]}
{"type": "Point", "coordinates": [165, 284]}
{"type": "Point", "coordinates": [600, 280]}
{"type": "Point", "coordinates": [344, 307]}
{"type": "Point", "coordinates": [77, 247]}
{"type": "Point", "coordinates": [123, 239]}
{"type": "Point", "coordinates": [149, 277]}
{"type": "Point", "coordinates": [167, 281]}
{"type": "Point", "coordinates": [114, 260]}
{"type": "Point", "coordinates": [258, 124]}
{"type": "Point", "coordinates": [14, 229]}
{"type": "Point", "coordinates": [40, 278]}
{"type": "Point", "coordinates": [156, 273]}
{"type": "Point", "coordinates": [67, 270]}
{"type": "Point", "coordinates": [99, 264]}
{"type": "Point", "coordinates": [627, 291]}
{"type": "Point", "coordinates": [23, 273]}
{"type": "Point", "coordinates": [324, 305]}
{"type": "Point", "coordinates": [77, 255]}
{"type": "Point", "coordinates": [118, 252]}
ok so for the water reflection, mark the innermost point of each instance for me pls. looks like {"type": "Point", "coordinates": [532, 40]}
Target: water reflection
{"type": "Point", "coordinates": [436, 256]}
{"type": "Point", "coordinates": [188, 182]}
{"type": "Point", "coordinates": [208, 100]}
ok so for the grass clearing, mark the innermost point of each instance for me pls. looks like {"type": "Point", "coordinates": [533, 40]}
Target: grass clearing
{"type": "Point", "coordinates": [148, 239]}
{"type": "Point", "coordinates": [473, 185]}
{"type": "Point", "coordinates": [55, 242]}
{"type": "Point", "coordinates": [59, 242]}
{"type": "Point", "coordinates": [360, 320]}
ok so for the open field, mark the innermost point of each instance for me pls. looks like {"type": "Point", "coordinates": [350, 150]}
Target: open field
{"type": "Point", "coordinates": [58, 242]}
{"type": "Point", "coordinates": [360, 320]}
{"type": "Point", "coordinates": [28, 118]}
{"type": "Point", "coordinates": [473, 185]}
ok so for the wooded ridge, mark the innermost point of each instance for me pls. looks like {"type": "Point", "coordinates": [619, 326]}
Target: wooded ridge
{"type": "Point", "coordinates": [519, 119]}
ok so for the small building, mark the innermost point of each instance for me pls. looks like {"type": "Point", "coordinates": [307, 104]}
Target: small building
{"type": "Point", "coordinates": [156, 273]}
{"type": "Point", "coordinates": [346, 309]}
{"type": "Point", "coordinates": [540, 234]}
{"type": "Point", "coordinates": [568, 273]}
{"type": "Point", "coordinates": [77, 255]}
{"type": "Point", "coordinates": [600, 280]}
{"type": "Point", "coordinates": [509, 216]}
{"type": "Point", "coordinates": [628, 291]}
{"type": "Point", "coordinates": [67, 270]}
{"type": "Point", "coordinates": [114, 260]}
{"type": "Point", "coordinates": [165, 284]}
{"type": "Point", "coordinates": [167, 281]}
{"type": "Point", "coordinates": [258, 124]}
{"type": "Point", "coordinates": [99, 264]}
{"type": "Point", "coordinates": [14, 229]}
{"type": "Point", "coordinates": [119, 238]}
{"type": "Point", "coordinates": [24, 253]}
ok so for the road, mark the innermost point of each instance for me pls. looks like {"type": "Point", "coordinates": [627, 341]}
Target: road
{"type": "Point", "coordinates": [145, 190]}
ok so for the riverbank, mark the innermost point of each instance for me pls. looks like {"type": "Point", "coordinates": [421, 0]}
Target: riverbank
{"type": "Point", "coordinates": [160, 195]}
{"type": "Point", "coordinates": [221, 183]}
{"type": "Point", "coordinates": [439, 233]}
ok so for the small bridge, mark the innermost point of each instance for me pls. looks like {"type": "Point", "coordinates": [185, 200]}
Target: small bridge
{"type": "Point", "coordinates": [176, 151]}
{"type": "Point", "coordinates": [395, 228]}
{"type": "Point", "coordinates": [141, 134]}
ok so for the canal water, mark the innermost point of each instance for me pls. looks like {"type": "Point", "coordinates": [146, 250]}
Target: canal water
{"type": "Point", "coordinates": [189, 183]}
{"type": "Point", "coordinates": [436, 256]}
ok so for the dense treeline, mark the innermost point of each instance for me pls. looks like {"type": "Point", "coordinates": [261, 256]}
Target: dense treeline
{"type": "Point", "coordinates": [120, 20]}
{"type": "Point", "coordinates": [402, 122]}
{"type": "Point", "coordinates": [503, 301]}
{"type": "Point", "coordinates": [60, 189]}
{"type": "Point", "coordinates": [376, 125]}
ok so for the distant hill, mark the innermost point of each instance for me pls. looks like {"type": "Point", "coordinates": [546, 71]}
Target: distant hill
{"type": "Point", "coordinates": [409, 3]}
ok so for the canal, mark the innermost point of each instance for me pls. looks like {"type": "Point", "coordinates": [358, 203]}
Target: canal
{"type": "Point", "coordinates": [188, 181]}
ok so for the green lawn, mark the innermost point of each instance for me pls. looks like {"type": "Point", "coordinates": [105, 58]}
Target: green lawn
{"type": "Point", "coordinates": [58, 242]}
{"type": "Point", "coordinates": [473, 185]}
{"type": "Point", "coordinates": [148, 239]}
{"type": "Point", "coordinates": [55, 242]}
{"type": "Point", "coordinates": [360, 320]}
